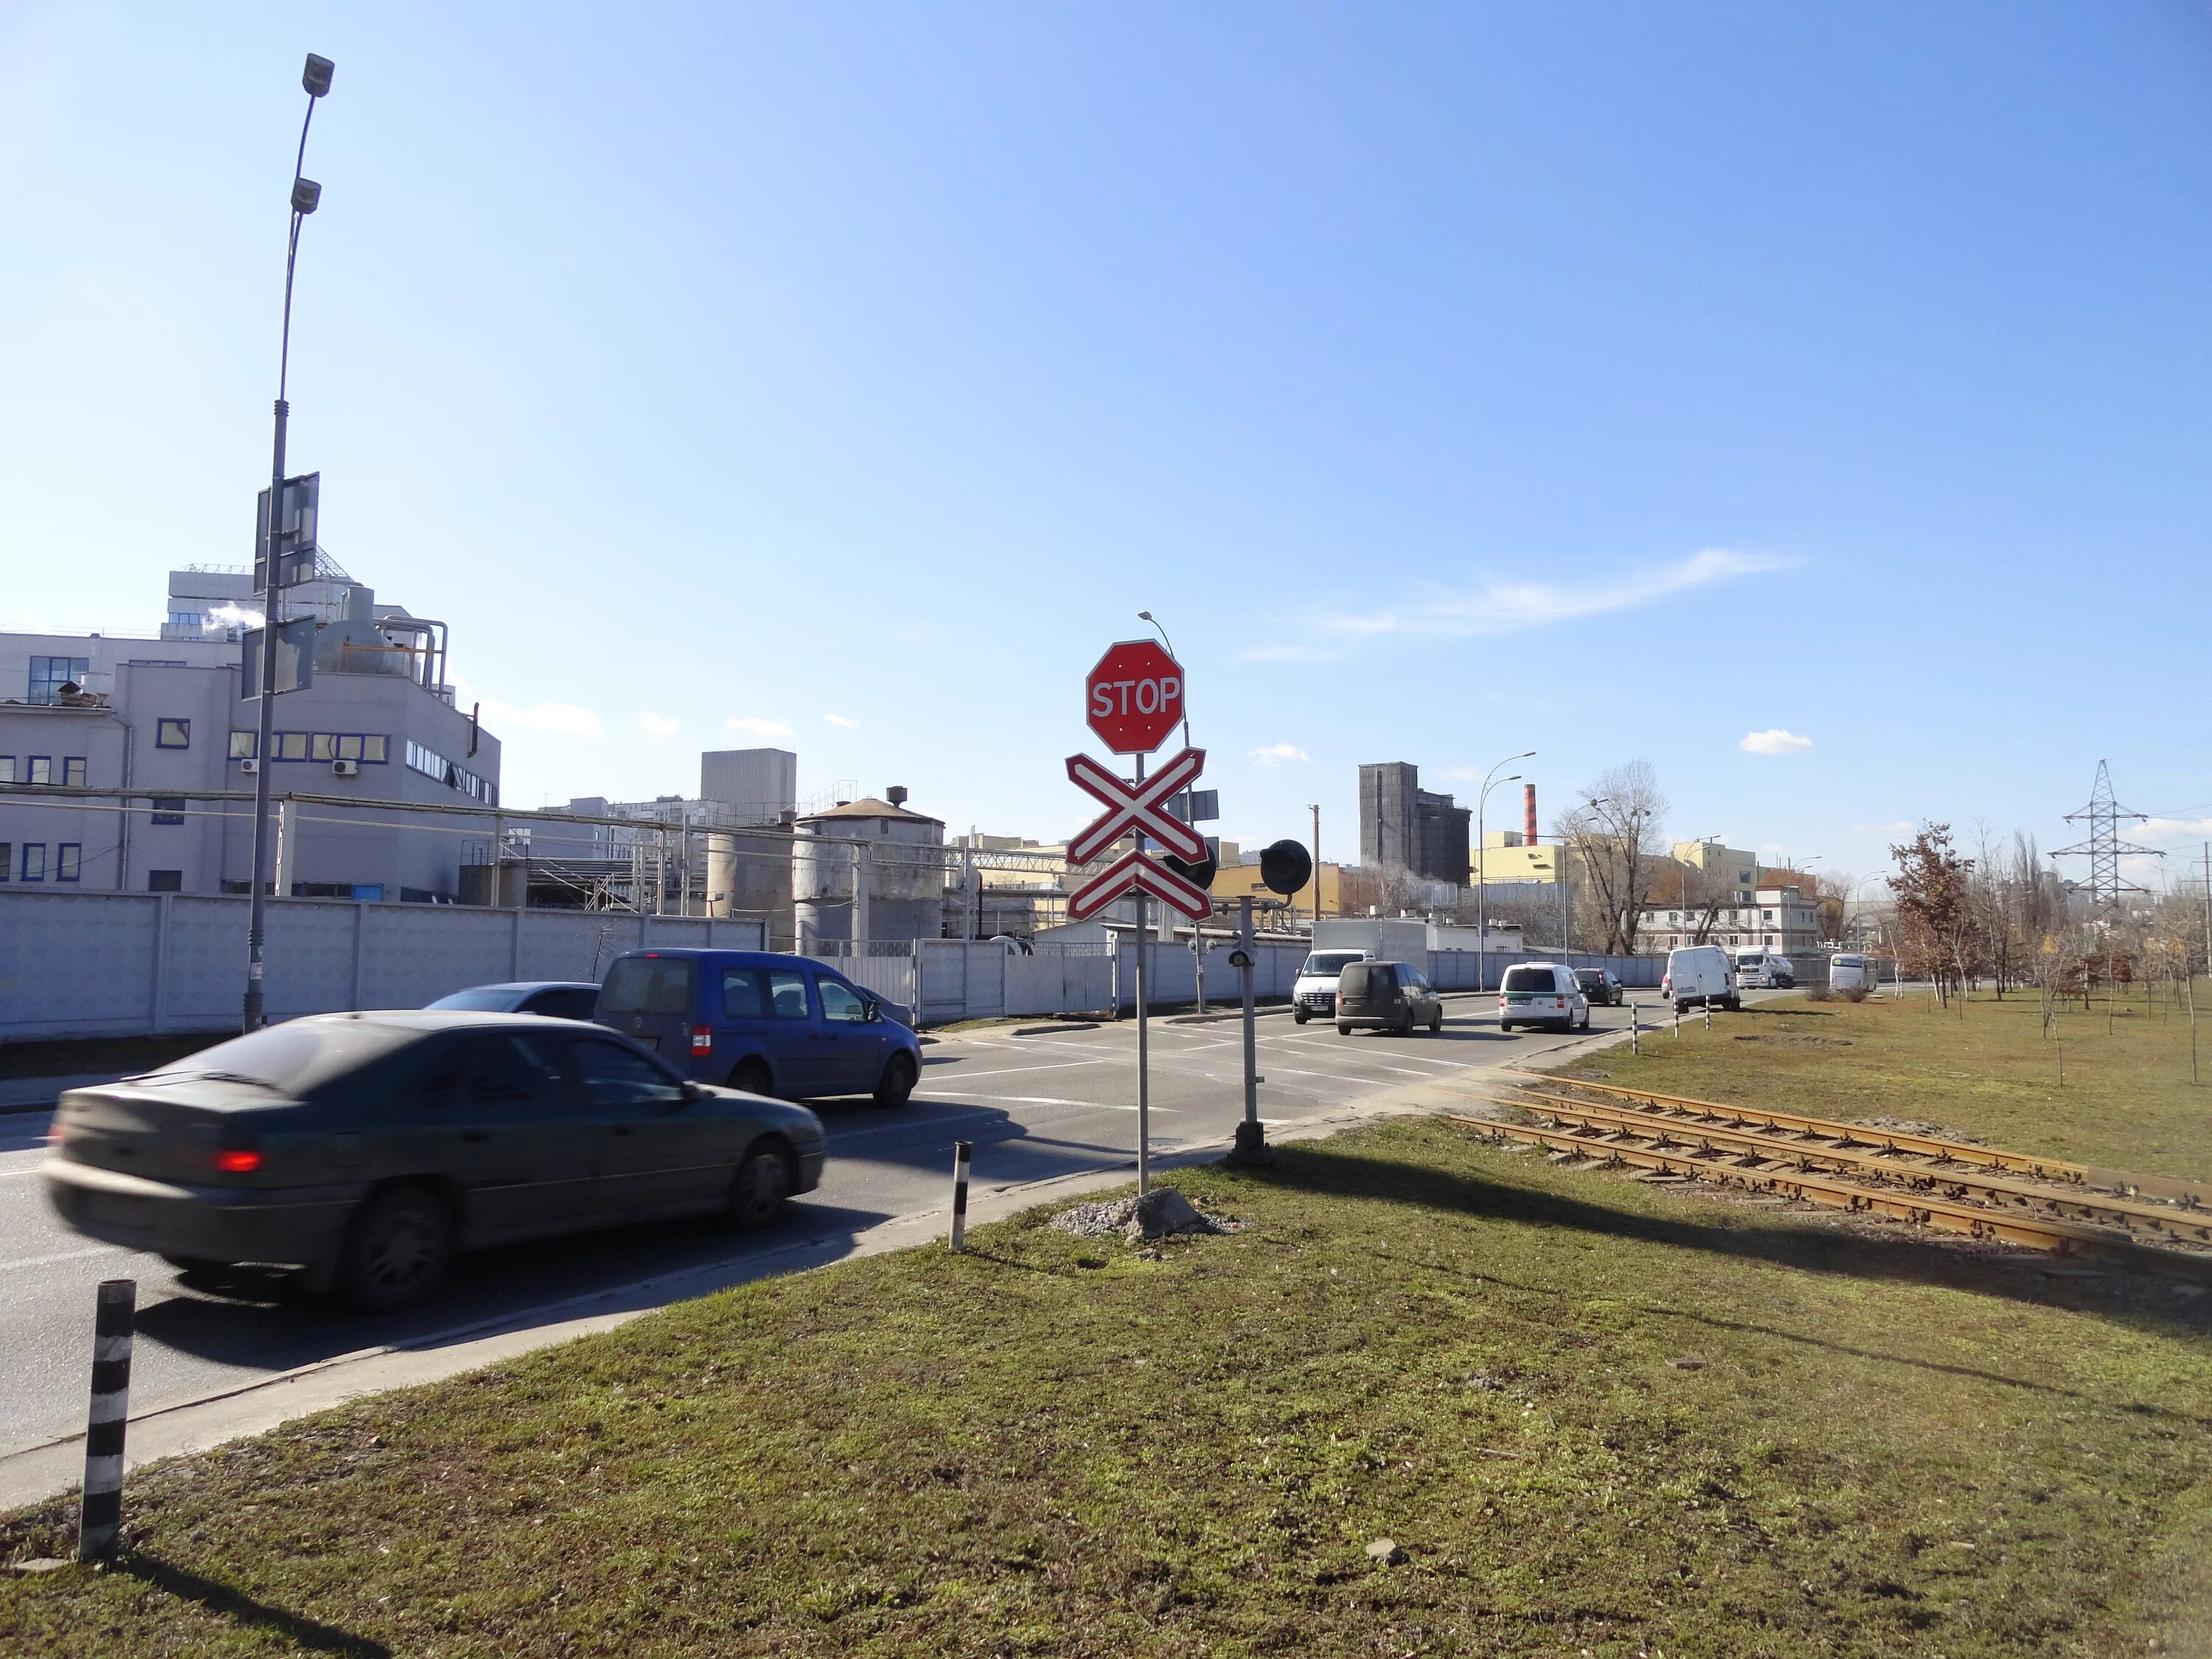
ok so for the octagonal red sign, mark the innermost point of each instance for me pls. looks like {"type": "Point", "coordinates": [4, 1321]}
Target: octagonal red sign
{"type": "Point", "coordinates": [1133, 697]}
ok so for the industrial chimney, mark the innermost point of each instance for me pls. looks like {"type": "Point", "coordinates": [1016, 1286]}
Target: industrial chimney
{"type": "Point", "coordinates": [1527, 815]}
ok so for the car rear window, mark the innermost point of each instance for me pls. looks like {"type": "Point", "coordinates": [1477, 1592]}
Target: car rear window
{"type": "Point", "coordinates": [647, 985]}
{"type": "Point", "coordinates": [295, 1057]}
{"type": "Point", "coordinates": [1361, 979]}
{"type": "Point", "coordinates": [479, 999]}
{"type": "Point", "coordinates": [1529, 979]}
{"type": "Point", "coordinates": [1588, 977]}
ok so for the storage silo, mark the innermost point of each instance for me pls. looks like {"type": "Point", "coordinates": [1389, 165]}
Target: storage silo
{"type": "Point", "coordinates": [899, 855]}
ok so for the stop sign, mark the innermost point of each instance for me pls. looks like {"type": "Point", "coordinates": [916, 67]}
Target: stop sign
{"type": "Point", "coordinates": [1133, 697]}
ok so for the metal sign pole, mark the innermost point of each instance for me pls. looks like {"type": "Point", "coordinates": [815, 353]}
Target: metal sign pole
{"type": "Point", "coordinates": [1143, 1037]}
{"type": "Point", "coordinates": [1251, 1143]}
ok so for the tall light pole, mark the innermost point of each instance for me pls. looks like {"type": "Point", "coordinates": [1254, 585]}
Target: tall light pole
{"type": "Point", "coordinates": [1482, 867]}
{"type": "Point", "coordinates": [315, 77]}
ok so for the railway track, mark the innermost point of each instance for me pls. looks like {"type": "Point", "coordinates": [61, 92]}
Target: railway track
{"type": "Point", "coordinates": [1953, 1186]}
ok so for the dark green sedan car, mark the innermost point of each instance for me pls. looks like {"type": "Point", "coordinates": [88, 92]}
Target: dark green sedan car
{"type": "Point", "coordinates": [369, 1149]}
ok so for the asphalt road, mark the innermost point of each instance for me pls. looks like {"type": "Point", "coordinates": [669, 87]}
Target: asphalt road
{"type": "Point", "coordinates": [1035, 1107]}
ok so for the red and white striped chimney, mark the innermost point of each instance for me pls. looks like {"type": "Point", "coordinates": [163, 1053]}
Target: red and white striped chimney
{"type": "Point", "coordinates": [1528, 815]}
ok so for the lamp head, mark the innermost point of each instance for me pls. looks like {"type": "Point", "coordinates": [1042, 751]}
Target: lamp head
{"type": "Point", "coordinates": [1144, 616]}
{"type": "Point", "coordinates": [306, 193]}
{"type": "Point", "coordinates": [316, 76]}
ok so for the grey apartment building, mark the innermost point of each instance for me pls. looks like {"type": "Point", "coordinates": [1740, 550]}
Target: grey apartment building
{"type": "Point", "coordinates": [155, 724]}
{"type": "Point", "coordinates": [1403, 826]}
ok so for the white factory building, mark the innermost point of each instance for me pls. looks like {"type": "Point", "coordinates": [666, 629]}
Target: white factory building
{"type": "Point", "coordinates": [154, 726]}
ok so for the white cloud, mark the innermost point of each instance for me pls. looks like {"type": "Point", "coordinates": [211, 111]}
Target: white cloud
{"type": "Point", "coordinates": [1774, 741]}
{"type": "Point", "coordinates": [845, 721]}
{"type": "Point", "coordinates": [563, 720]}
{"type": "Point", "coordinates": [757, 726]}
{"type": "Point", "coordinates": [2157, 829]}
{"type": "Point", "coordinates": [1508, 607]}
{"type": "Point", "coordinates": [660, 725]}
{"type": "Point", "coordinates": [232, 615]}
{"type": "Point", "coordinates": [1276, 753]}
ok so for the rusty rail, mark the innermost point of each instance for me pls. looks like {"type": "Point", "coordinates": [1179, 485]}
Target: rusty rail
{"type": "Point", "coordinates": [2065, 1238]}
{"type": "Point", "coordinates": [2068, 1200]}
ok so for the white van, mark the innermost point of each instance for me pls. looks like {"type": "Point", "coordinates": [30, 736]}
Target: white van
{"type": "Point", "coordinates": [1853, 973]}
{"type": "Point", "coordinates": [1764, 970]}
{"type": "Point", "coordinates": [1698, 974]}
{"type": "Point", "coordinates": [1313, 992]}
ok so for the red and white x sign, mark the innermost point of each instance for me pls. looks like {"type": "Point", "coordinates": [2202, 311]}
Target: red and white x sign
{"type": "Point", "coordinates": [1138, 873]}
{"type": "Point", "coordinates": [1137, 808]}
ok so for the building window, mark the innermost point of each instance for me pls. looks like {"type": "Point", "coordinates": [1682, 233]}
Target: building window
{"type": "Point", "coordinates": [323, 747]}
{"type": "Point", "coordinates": [7, 861]}
{"type": "Point", "coordinates": [290, 746]}
{"type": "Point", "coordinates": [41, 771]}
{"type": "Point", "coordinates": [50, 674]}
{"type": "Point", "coordinates": [73, 771]}
{"type": "Point", "coordinates": [244, 744]}
{"type": "Point", "coordinates": [169, 809]}
{"type": "Point", "coordinates": [34, 860]}
{"type": "Point", "coordinates": [7, 769]}
{"type": "Point", "coordinates": [165, 881]}
{"type": "Point", "coordinates": [172, 735]}
{"type": "Point", "coordinates": [68, 857]}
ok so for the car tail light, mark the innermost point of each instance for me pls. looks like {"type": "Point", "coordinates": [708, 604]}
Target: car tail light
{"type": "Point", "coordinates": [702, 1039]}
{"type": "Point", "coordinates": [237, 1160]}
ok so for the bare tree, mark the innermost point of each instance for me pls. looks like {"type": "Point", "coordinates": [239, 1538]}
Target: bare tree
{"type": "Point", "coordinates": [1613, 833]}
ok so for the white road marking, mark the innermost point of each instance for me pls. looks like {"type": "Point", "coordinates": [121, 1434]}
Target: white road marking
{"type": "Point", "coordinates": [1010, 1071]}
{"type": "Point", "coordinates": [66, 1256]}
{"type": "Point", "coordinates": [1054, 1099]}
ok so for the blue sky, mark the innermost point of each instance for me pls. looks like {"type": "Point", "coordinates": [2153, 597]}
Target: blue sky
{"type": "Point", "coordinates": [1451, 380]}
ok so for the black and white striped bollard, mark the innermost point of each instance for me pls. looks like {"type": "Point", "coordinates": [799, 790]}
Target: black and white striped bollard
{"type": "Point", "coordinates": [102, 1517]}
{"type": "Point", "coordinates": [1635, 1028]}
{"type": "Point", "coordinates": [962, 1151]}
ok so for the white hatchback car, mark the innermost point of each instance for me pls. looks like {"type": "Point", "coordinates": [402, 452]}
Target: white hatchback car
{"type": "Point", "coordinates": [1541, 993]}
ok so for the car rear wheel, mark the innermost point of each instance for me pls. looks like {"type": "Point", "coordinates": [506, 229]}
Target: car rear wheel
{"type": "Point", "coordinates": [398, 1249]}
{"type": "Point", "coordinates": [759, 1188]}
{"type": "Point", "coordinates": [1342, 1029]}
{"type": "Point", "coordinates": [898, 1081]}
{"type": "Point", "coordinates": [752, 1077]}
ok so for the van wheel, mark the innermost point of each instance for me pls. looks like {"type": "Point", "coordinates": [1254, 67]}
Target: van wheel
{"type": "Point", "coordinates": [752, 1077]}
{"type": "Point", "coordinates": [1342, 1029]}
{"type": "Point", "coordinates": [398, 1248]}
{"type": "Point", "coordinates": [1298, 1017]}
{"type": "Point", "coordinates": [758, 1189]}
{"type": "Point", "coordinates": [897, 1081]}
{"type": "Point", "coordinates": [1586, 1019]}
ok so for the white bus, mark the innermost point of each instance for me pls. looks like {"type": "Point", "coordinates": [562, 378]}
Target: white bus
{"type": "Point", "coordinates": [1853, 972]}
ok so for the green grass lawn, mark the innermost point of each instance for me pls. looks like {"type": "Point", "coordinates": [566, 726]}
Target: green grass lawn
{"type": "Point", "coordinates": [1874, 1446]}
{"type": "Point", "coordinates": [1985, 1070]}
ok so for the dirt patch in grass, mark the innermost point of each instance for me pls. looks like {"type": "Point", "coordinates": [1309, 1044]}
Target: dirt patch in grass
{"type": "Point", "coordinates": [1594, 1418]}
{"type": "Point", "coordinates": [1986, 1070]}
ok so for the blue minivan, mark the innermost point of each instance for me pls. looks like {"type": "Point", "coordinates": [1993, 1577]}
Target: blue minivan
{"type": "Point", "coordinates": [761, 1022]}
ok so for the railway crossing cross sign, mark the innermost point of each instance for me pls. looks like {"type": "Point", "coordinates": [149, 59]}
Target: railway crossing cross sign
{"type": "Point", "coordinates": [1139, 808]}
{"type": "Point", "coordinates": [1138, 872]}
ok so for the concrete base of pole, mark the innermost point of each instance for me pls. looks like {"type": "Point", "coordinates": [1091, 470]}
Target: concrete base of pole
{"type": "Point", "coordinates": [1251, 1149]}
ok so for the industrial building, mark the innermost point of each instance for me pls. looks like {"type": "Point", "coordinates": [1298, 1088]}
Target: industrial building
{"type": "Point", "coordinates": [1405, 827]}
{"type": "Point", "coordinates": [155, 725]}
{"type": "Point", "coordinates": [868, 869]}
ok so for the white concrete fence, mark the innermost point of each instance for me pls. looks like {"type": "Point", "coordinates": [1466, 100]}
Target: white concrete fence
{"type": "Point", "coordinates": [126, 965]}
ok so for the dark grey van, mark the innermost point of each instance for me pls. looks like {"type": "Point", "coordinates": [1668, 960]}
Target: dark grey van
{"type": "Point", "coordinates": [1391, 996]}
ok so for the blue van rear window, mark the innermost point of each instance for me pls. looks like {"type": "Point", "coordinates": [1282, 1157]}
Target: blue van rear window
{"type": "Point", "coordinates": [647, 985]}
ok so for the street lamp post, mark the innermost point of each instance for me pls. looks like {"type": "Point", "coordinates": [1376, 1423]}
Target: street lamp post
{"type": "Point", "coordinates": [315, 77]}
{"type": "Point", "coordinates": [1482, 868]}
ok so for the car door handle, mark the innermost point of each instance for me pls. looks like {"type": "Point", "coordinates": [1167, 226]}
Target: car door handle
{"type": "Point", "coordinates": [475, 1135]}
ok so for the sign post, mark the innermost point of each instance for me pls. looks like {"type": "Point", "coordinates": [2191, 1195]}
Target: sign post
{"type": "Point", "coordinates": [1132, 699]}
